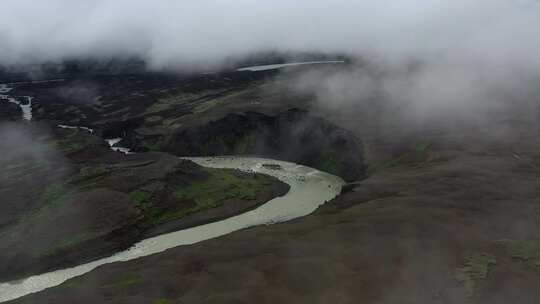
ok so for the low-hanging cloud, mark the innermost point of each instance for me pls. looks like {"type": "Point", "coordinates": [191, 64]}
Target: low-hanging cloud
{"type": "Point", "coordinates": [501, 34]}
{"type": "Point", "coordinates": [426, 58]}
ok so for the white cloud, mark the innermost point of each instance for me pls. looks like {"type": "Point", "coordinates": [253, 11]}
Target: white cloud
{"type": "Point", "coordinates": [493, 32]}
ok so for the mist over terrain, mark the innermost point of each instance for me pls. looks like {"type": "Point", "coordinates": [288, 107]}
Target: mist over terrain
{"type": "Point", "coordinates": [201, 33]}
{"type": "Point", "coordinates": [438, 55]}
{"type": "Point", "coordinates": [427, 109]}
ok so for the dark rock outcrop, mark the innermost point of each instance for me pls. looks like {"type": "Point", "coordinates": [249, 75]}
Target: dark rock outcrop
{"type": "Point", "coordinates": [293, 135]}
{"type": "Point", "coordinates": [9, 111]}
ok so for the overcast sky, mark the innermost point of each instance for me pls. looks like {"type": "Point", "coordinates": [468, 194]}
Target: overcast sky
{"type": "Point", "coordinates": [498, 33]}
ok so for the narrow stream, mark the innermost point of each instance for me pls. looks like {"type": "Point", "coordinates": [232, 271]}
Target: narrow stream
{"type": "Point", "coordinates": [309, 188]}
{"type": "Point", "coordinates": [26, 106]}
{"type": "Point", "coordinates": [25, 102]}
{"type": "Point", "coordinates": [91, 131]}
{"type": "Point", "coordinates": [113, 143]}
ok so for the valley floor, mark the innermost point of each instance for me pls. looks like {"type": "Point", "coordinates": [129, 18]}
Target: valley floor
{"type": "Point", "coordinates": [448, 214]}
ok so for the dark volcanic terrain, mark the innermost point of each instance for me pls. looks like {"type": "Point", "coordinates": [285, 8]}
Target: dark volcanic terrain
{"type": "Point", "coordinates": [239, 113]}
{"type": "Point", "coordinates": [437, 211]}
{"type": "Point", "coordinates": [69, 199]}
{"type": "Point", "coordinates": [443, 225]}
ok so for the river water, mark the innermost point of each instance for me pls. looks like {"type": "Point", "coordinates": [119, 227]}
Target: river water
{"type": "Point", "coordinates": [309, 188]}
{"type": "Point", "coordinates": [25, 102]}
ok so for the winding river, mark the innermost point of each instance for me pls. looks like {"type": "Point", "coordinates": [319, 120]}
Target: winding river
{"type": "Point", "coordinates": [309, 188]}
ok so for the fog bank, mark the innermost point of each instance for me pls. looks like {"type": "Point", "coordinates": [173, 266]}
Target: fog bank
{"type": "Point", "coordinates": [501, 34]}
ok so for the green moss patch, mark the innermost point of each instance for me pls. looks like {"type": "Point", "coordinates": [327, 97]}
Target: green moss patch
{"type": "Point", "coordinates": [126, 282]}
{"type": "Point", "coordinates": [417, 154]}
{"type": "Point", "coordinates": [85, 180]}
{"type": "Point", "coordinates": [157, 144]}
{"type": "Point", "coordinates": [330, 163]}
{"type": "Point", "coordinates": [74, 140]}
{"type": "Point", "coordinates": [69, 243]}
{"type": "Point", "coordinates": [153, 119]}
{"type": "Point", "coordinates": [220, 185]}
{"type": "Point", "coordinates": [422, 147]}
{"type": "Point", "coordinates": [55, 192]}
{"type": "Point", "coordinates": [141, 198]}
{"type": "Point", "coordinates": [475, 269]}
{"type": "Point", "coordinates": [169, 102]}
{"type": "Point", "coordinates": [145, 196]}
{"type": "Point", "coordinates": [526, 251]}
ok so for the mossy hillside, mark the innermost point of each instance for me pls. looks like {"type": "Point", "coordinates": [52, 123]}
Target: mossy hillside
{"type": "Point", "coordinates": [223, 184]}
{"type": "Point", "coordinates": [217, 187]}
{"type": "Point", "coordinates": [59, 196]}
{"type": "Point", "coordinates": [86, 179]}
{"type": "Point", "coordinates": [475, 269]}
{"type": "Point", "coordinates": [127, 281]}
{"type": "Point", "coordinates": [141, 198]}
{"type": "Point", "coordinates": [169, 102]}
{"type": "Point", "coordinates": [527, 251]}
{"type": "Point", "coordinates": [148, 199]}
{"type": "Point", "coordinates": [153, 119]}
{"type": "Point", "coordinates": [198, 189]}
{"type": "Point", "coordinates": [478, 265]}
{"type": "Point", "coordinates": [196, 101]}
{"type": "Point", "coordinates": [101, 205]}
{"type": "Point", "coordinates": [417, 154]}
{"type": "Point", "coordinates": [156, 143]}
{"type": "Point", "coordinates": [69, 242]}
{"type": "Point", "coordinates": [75, 140]}
{"type": "Point", "coordinates": [329, 162]}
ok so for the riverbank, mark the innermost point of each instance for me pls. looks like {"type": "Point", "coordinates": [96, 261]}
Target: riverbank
{"type": "Point", "coordinates": [453, 223]}
{"type": "Point", "coordinates": [309, 189]}
{"type": "Point", "coordinates": [83, 201]}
